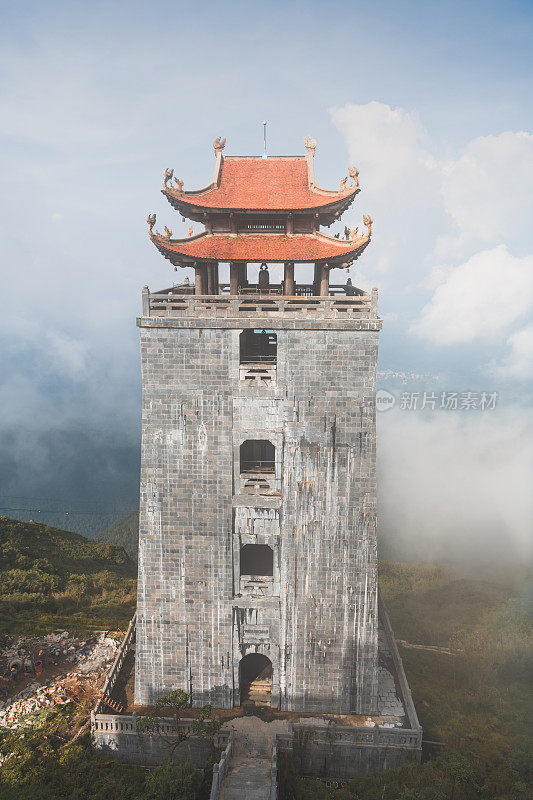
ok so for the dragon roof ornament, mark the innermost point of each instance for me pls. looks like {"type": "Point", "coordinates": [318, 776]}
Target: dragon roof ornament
{"type": "Point", "coordinates": [168, 176]}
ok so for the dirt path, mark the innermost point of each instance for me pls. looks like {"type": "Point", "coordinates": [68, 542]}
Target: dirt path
{"type": "Point", "coordinates": [429, 647]}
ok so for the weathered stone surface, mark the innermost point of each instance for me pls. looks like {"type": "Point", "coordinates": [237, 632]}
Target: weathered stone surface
{"type": "Point", "coordinates": [318, 515]}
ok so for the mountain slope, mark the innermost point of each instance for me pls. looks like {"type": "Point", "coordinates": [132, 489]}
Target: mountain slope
{"type": "Point", "coordinates": [124, 532]}
{"type": "Point", "coordinates": [51, 578]}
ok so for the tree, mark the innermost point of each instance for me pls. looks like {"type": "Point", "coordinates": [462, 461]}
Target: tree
{"type": "Point", "coordinates": [205, 725]}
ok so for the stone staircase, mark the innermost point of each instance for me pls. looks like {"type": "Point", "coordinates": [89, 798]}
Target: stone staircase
{"type": "Point", "coordinates": [249, 774]}
{"type": "Point", "coordinates": [257, 693]}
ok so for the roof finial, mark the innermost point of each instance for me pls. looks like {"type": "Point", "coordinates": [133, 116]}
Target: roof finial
{"type": "Point", "coordinates": [219, 144]}
{"type": "Point", "coordinates": [264, 139]}
{"type": "Point", "coordinates": [310, 144]}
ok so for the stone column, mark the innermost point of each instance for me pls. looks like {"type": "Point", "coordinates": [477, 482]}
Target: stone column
{"type": "Point", "coordinates": [324, 281]}
{"type": "Point", "coordinates": [210, 278]}
{"type": "Point", "coordinates": [288, 278]}
{"type": "Point", "coordinates": [216, 284]}
{"type": "Point", "coordinates": [234, 276]}
{"type": "Point", "coordinates": [146, 301]}
{"type": "Point", "coordinates": [200, 279]}
{"type": "Point", "coordinates": [316, 280]}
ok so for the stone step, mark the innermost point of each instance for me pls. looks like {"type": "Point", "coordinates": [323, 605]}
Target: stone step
{"type": "Point", "coordinates": [248, 779]}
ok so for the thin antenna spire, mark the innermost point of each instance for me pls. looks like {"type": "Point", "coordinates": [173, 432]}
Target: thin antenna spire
{"type": "Point", "coordinates": [264, 138]}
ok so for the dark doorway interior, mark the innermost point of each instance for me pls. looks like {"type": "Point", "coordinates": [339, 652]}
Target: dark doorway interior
{"type": "Point", "coordinates": [257, 559]}
{"type": "Point", "coordinates": [258, 455]}
{"type": "Point", "coordinates": [258, 347]}
{"type": "Point", "coordinates": [255, 680]}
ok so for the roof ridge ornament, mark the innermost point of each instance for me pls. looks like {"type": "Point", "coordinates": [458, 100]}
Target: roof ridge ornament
{"type": "Point", "coordinates": [150, 219]}
{"type": "Point", "coordinates": [353, 233]}
{"type": "Point", "coordinates": [168, 176]}
{"type": "Point", "coordinates": [219, 144]}
{"type": "Point", "coordinates": [353, 172]}
{"type": "Point", "coordinates": [310, 144]}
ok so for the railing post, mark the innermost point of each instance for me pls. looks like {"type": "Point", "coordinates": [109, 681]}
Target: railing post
{"type": "Point", "coordinates": [374, 304]}
{"type": "Point", "coordinates": [146, 301]}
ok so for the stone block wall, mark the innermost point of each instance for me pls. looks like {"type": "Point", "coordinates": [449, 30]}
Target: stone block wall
{"type": "Point", "coordinates": [318, 621]}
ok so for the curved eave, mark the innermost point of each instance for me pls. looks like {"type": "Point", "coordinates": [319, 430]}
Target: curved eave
{"type": "Point", "coordinates": [300, 248]}
{"type": "Point", "coordinates": [186, 203]}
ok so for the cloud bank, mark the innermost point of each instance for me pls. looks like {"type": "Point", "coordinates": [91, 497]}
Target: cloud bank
{"type": "Point", "coordinates": [455, 231]}
{"type": "Point", "coordinates": [456, 487]}
{"type": "Point", "coordinates": [453, 256]}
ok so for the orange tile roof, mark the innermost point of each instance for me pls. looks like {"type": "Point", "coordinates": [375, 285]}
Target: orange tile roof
{"type": "Point", "coordinates": [263, 247]}
{"type": "Point", "coordinates": [255, 183]}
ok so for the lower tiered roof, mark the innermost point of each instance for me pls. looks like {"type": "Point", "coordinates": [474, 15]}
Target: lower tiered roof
{"type": "Point", "coordinates": [311, 247]}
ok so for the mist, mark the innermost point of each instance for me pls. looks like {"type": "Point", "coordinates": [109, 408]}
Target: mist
{"type": "Point", "coordinates": [455, 486]}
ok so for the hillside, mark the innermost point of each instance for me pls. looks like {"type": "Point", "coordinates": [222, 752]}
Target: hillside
{"type": "Point", "coordinates": [473, 697]}
{"type": "Point", "coordinates": [124, 532]}
{"type": "Point", "coordinates": [51, 578]}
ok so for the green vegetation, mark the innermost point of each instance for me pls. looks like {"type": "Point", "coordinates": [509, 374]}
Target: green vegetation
{"type": "Point", "coordinates": [124, 532]}
{"type": "Point", "coordinates": [45, 763]}
{"type": "Point", "coordinates": [476, 703]}
{"type": "Point", "coordinates": [57, 579]}
{"type": "Point", "coordinates": [178, 700]}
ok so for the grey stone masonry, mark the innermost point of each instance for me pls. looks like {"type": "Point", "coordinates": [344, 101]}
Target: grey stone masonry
{"type": "Point", "coordinates": [315, 617]}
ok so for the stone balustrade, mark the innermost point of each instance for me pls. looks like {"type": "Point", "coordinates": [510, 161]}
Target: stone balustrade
{"type": "Point", "coordinates": [168, 304]}
{"type": "Point", "coordinates": [274, 772]}
{"type": "Point", "coordinates": [113, 673]}
{"type": "Point", "coordinates": [220, 769]}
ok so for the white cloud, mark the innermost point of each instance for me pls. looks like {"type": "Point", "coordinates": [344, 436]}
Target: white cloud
{"type": "Point", "coordinates": [400, 187]}
{"type": "Point", "coordinates": [452, 237]}
{"type": "Point", "coordinates": [455, 485]}
{"type": "Point", "coordinates": [67, 355]}
{"type": "Point", "coordinates": [481, 298]}
{"type": "Point", "coordinates": [519, 363]}
{"type": "Point", "coordinates": [488, 190]}
{"type": "Point", "coordinates": [388, 141]}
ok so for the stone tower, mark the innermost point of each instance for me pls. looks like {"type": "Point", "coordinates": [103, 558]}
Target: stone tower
{"type": "Point", "coordinates": [257, 555]}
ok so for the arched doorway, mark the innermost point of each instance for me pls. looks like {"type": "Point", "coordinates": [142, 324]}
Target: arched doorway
{"type": "Point", "coordinates": [255, 680]}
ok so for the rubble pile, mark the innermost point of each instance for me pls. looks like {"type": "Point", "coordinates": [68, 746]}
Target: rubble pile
{"type": "Point", "coordinates": [45, 660]}
{"type": "Point", "coordinates": [33, 698]}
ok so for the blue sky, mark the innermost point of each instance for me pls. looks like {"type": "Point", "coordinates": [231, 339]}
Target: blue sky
{"type": "Point", "coordinates": [433, 104]}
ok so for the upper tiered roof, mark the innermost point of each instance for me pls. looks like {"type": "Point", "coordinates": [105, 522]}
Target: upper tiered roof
{"type": "Point", "coordinates": [261, 209]}
{"type": "Point", "coordinates": [255, 183]}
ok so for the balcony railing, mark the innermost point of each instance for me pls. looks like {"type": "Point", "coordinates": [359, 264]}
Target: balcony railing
{"type": "Point", "coordinates": [169, 303]}
{"type": "Point", "coordinates": [300, 290]}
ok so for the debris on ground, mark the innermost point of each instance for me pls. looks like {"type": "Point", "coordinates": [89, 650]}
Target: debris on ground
{"type": "Point", "coordinates": [52, 670]}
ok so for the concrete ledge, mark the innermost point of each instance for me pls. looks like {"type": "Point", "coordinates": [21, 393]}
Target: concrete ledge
{"type": "Point", "coordinates": [265, 320]}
